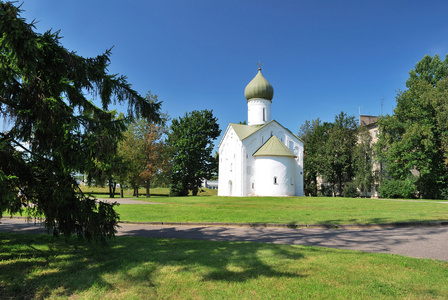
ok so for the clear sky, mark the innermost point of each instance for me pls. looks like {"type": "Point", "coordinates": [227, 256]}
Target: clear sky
{"type": "Point", "coordinates": [321, 57]}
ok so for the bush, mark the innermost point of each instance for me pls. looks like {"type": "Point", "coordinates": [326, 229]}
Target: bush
{"type": "Point", "coordinates": [325, 190]}
{"type": "Point", "coordinates": [178, 189]}
{"type": "Point", "coordinates": [351, 190]}
{"type": "Point", "coordinates": [394, 188]}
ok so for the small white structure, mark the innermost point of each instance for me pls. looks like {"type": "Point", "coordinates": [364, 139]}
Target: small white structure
{"type": "Point", "coordinates": [262, 158]}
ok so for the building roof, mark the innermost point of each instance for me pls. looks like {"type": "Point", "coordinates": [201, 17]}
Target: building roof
{"type": "Point", "coordinates": [244, 131]}
{"type": "Point", "coordinates": [259, 88]}
{"type": "Point", "coordinates": [274, 147]}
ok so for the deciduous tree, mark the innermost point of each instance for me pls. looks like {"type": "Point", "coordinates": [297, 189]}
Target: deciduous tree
{"type": "Point", "coordinates": [191, 138]}
{"type": "Point", "coordinates": [413, 141]}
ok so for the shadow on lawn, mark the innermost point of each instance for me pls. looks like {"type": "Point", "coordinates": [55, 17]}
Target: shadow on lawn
{"type": "Point", "coordinates": [32, 266]}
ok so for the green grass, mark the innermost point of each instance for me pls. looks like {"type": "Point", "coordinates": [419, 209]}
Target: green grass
{"type": "Point", "coordinates": [284, 210]}
{"type": "Point", "coordinates": [36, 266]}
{"type": "Point", "coordinates": [103, 192]}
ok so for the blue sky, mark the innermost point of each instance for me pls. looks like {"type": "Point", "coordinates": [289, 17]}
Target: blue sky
{"type": "Point", "coordinates": [322, 57]}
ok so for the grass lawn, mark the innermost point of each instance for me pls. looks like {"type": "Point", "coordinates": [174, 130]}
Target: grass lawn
{"type": "Point", "coordinates": [36, 266]}
{"type": "Point", "coordinates": [285, 210]}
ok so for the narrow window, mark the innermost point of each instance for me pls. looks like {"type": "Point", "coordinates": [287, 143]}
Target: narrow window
{"type": "Point", "coordinates": [291, 145]}
{"type": "Point", "coordinates": [231, 167]}
{"type": "Point", "coordinates": [264, 114]}
{"type": "Point", "coordinates": [252, 185]}
{"type": "Point", "coordinates": [275, 179]}
{"type": "Point", "coordinates": [272, 133]}
{"type": "Point", "coordinates": [292, 180]}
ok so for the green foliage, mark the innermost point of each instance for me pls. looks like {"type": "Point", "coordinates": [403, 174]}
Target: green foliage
{"type": "Point", "coordinates": [362, 162]}
{"type": "Point", "coordinates": [396, 188]}
{"type": "Point", "coordinates": [328, 152]}
{"type": "Point", "coordinates": [339, 150]}
{"type": "Point", "coordinates": [351, 190]}
{"type": "Point", "coordinates": [144, 153]}
{"type": "Point", "coordinates": [191, 139]}
{"type": "Point", "coordinates": [313, 134]}
{"type": "Point", "coordinates": [56, 130]}
{"type": "Point", "coordinates": [416, 135]}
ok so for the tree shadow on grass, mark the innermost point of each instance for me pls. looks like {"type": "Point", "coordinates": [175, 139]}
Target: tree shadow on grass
{"type": "Point", "coordinates": [37, 266]}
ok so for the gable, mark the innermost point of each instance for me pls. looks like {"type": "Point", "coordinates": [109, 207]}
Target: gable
{"type": "Point", "coordinates": [274, 147]}
{"type": "Point", "coordinates": [245, 131]}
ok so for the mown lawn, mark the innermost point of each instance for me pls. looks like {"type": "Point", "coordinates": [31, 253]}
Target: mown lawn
{"type": "Point", "coordinates": [284, 210]}
{"type": "Point", "coordinates": [36, 266]}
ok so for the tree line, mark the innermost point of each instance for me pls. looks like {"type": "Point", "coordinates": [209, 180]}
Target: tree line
{"type": "Point", "coordinates": [339, 154]}
{"type": "Point", "coordinates": [412, 146]}
{"type": "Point", "coordinates": [150, 153]}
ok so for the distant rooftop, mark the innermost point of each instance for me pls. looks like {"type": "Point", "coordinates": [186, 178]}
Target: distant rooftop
{"type": "Point", "coordinates": [366, 120]}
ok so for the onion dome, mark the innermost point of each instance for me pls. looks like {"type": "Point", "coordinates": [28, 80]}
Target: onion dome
{"type": "Point", "coordinates": [259, 87]}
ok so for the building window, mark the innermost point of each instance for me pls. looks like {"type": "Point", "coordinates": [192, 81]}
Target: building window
{"type": "Point", "coordinates": [253, 185]}
{"type": "Point", "coordinates": [292, 180]}
{"type": "Point", "coordinates": [264, 114]}
{"type": "Point", "coordinates": [275, 180]}
{"type": "Point", "coordinates": [291, 145]}
{"type": "Point", "coordinates": [231, 167]}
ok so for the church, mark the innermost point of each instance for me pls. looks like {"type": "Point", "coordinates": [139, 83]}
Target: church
{"type": "Point", "coordinates": [262, 158]}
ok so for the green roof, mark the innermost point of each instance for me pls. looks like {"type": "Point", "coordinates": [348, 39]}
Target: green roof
{"type": "Point", "coordinates": [243, 131]}
{"type": "Point", "coordinates": [274, 147]}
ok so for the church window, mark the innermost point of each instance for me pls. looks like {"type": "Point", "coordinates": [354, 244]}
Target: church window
{"type": "Point", "coordinates": [253, 185]}
{"type": "Point", "coordinates": [264, 114]}
{"type": "Point", "coordinates": [231, 166]}
{"type": "Point", "coordinates": [272, 133]}
{"type": "Point", "coordinates": [292, 180]}
{"type": "Point", "coordinates": [291, 145]}
{"type": "Point", "coordinates": [275, 180]}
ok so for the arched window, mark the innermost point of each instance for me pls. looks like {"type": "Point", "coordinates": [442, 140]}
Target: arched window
{"type": "Point", "coordinates": [264, 114]}
{"type": "Point", "coordinates": [275, 180]}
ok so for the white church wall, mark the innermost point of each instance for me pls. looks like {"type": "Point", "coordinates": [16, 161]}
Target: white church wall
{"type": "Point", "coordinates": [258, 111]}
{"type": "Point", "coordinates": [255, 141]}
{"type": "Point", "coordinates": [275, 176]}
{"type": "Point", "coordinates": [230, 167]}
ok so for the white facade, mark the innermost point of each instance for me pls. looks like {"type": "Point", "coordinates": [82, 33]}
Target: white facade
{"type": "Point", "coordinates": [262, 158]}
{"type": "Point", "coordinates": [243, 174]}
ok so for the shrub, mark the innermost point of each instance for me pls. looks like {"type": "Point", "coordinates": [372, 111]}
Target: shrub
{"type": "Point", "coordinates": [351, 190]}
{"type": "Point", "coordinates": [395, 188]}
{"type": "Point", "coordinates": [178, 189]}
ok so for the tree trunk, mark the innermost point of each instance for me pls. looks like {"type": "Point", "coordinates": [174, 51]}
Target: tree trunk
{"type": "Point", "coordinates": [112, 186]}
{"type": "Point", "coordinates": [121, 191]}
{"type": "Point", "coordinates": [148, 183]}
